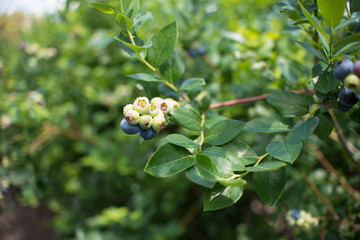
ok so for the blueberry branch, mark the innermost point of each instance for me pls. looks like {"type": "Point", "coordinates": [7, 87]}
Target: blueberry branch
{"type": "Point", "coordinates": [250, 99]}
{"type": "Point", "coordinates": [202, 138]}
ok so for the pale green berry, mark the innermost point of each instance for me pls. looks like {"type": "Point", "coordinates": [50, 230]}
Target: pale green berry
{"type": "Point", "coordinates": [127, 108]}
{"type": "Point", "coordinates": [142, 105]}
{"type": "Point", "coordinates": [155, 100]}
{"type": "Point", "coordinates": [163, 106]}
{"type": "Point", "coordinates": [132, 117]}
{"type": "Point", "coordinates": [154, 111]}
{"type": "Point", "coordinates": [158, 123]}
{"type": "Point", "coordinates": [352, 81]}
{"type": "Point", "coordinates": [171, 104]}
{"type": "Point", "coordinates": [145, 121]}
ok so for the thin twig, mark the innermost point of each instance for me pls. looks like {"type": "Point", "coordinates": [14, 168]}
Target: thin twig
{"type": "Point", "coordinates": [251, 99]}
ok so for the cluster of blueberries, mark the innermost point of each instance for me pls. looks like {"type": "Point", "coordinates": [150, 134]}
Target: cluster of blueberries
{"type": "Point", "coordinates": [302, 219]}
{"type": "Point", "coordinates": [349, 73]}
{"type": "Point", "coordinates": [146, 117]}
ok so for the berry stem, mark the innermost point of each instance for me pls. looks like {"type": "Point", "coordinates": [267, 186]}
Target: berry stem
{"type": "Point", "coordinates": [121, 7]}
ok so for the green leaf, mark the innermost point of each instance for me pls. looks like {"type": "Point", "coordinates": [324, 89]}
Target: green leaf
{"type": "Point", "coordinates": [145, 77]}
{"type": "Point", "coordinates": [332, 11]}
{"type": "Point", "coordinates": [270, 185]}
{"type": "Point", "coordinates": [326, 82]}
{"type": "Point", "coordinates": [132, 9]}
{"type": "Point", "coordinates": [289, 104]}
{"type": "Point", "coordinates": [174, 67]}
{"type": "Point", "coordinates": [140, 19]}
{"type": "Point", "coordinates": [187, 117]}
{"type": "Point", "coordinates": [287, 149]}
{"type": "Point", "coordinates": [313, 51]}
{"type": "Point", "coordinates": [169, 160]}
{"type": "Point", "coordinates": [193, 175]}
{"type": "Point", "coordinates": [265, 125]}
{"type": "Point", "coordinates": [225, 161]}
{"type": "Point", "coordinates": [206, 168]}
{"type": "Point", "coordinates": [164, 42]}
{"type": "Point", "coordinates": [241, 150]}
{"type": "Point", "coordinates": [343, 42]}
{"type": "Point", "coordinates": [192, 83]}
{"type": "Point", "coordinates": [314, 22]}
{"type": "Point", "coordinates": [105, 8]}
{"type": "Point", "coordinates": [212, 120]}
{"type": "Point", "coordinates": [223, 131]}
{"type": "Point", "coordinates": [232, 182]}
{"type": "Point", "coordinates": [305, 128]}
{"type": "Point", "coordinates": [355, 116]}
{"type": "Point", "coordinates": [354, 6]}
{"type": "Point", "coordinates": [135, 48]}
{"type": "Point", "coordinates": [267, 166]}
{"type": "Point", "coordinates": [181, 140]}
{"type": "Point", "coordinates": [325, 125]}
{"type": "Point", "coordinates": [221, 197]}
{"type": "Point", "coordinates": [124, 22]}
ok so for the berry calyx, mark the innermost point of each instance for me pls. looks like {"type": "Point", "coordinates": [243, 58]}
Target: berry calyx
{"type": "Point", "coordinates": [145, 121]}
{"type": "Point", "coordinates": [132, 117]}
{"type": "Point", "coordinates": [142, 105]}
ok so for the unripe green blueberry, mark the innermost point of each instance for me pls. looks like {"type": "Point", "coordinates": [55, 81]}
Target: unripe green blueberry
{"type": "Point", "coordinates": [145, 121]}
{"type": "Point", "coordinates": [127, 108]}
{"type": "Point", "coordinates": [158, 123]}
{"type": "Point", "coordinates": [132, 117]}
{"type": "Point", "coordinates": [171, 104]}
{"type": "Point", "coordinates": [154, 111]}
{"type": "Point", "coordinates": [352, 81]}
{"type": "Point", "coordinates": [155, 100]}
{"type": "Point", "coordinates": [163, 106]}
{"type": "Point", "coordinates": [142, 105]}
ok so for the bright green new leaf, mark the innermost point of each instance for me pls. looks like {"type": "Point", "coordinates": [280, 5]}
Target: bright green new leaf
{"type": "Point", "coordinates": [174, 67]}
{"type": "Point", "coordinates": [124, 22]}
{"type": "Point", "coordinates": [181, 140]}
{"type": "Point", "coordinates": [305, 128]}
{"type": "Point", "coordinates": [145, 77]}
{"type": "Point", "coordinates": [163, 45]}
{"type": "Point", "coordinates": [287, 149]}
{"type": "Point", "coordinates": [232, 182]}
{"type": "Point", "coordinates": [105, 8]}
{"type": "Point", "coordinates": [192, 83]}
{"type": "Point", "coordinates": [187, 117]}
{"type": "Point", "coordinates": [193, 175]}
{"type": "Point", "coordinates": [169, 160]}
{"type": "Point", "coordinates": [331, 10]}
{"type": "Point", "coordinates": [134, 48]}
{"type": "Point", "coordinates": [270, 185]}
{"type": "Point", "coordinates": [132, 9]}
{"type": "Point", "coordinates": [265, 125]}
{"type": "Point", "coordinates": [267, 166]}
{"type": "Point", "coordinates": [289, 104]}
{"type": "Point", "coordinates": [223, 131]}
{"type": "Point", "coordinates": [221, 197]}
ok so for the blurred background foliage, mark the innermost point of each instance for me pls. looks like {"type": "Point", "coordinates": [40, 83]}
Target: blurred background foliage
{"type": "Point", "coordinates": [63, 85]}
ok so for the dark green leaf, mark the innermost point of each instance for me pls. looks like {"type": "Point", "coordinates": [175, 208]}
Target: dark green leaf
{"type": "Point", "coordinates": [206, 168]}
{"type": "Point", "coordinates": [221, 197]}
{"type": "Point", "coordinates": [265, 125]}
{"type": "Point", "coordinates": [317, 70]}
{"type": "Point", "coordinates": [132, 9]}
{"type": "Point", "coordinates": [169, 160]}
{"type": "Point", "coordinates": [289, 104]}
{"type": "Point", "coordinates": [225, 161]}
{"type": "Point", "coordinates": [181, 140]}
{"type": "Point", "coordinates": [305, 128]}
{"type": "Point", "coordinates": [355, 116]}
{"type": "Point", "coordinates": [326, 82]}
{"type": "Point", "coordinates": [241, 150]}
{"type": "Point", "coordinates": [174, 67]}
{"type": "Point", "coordinates": [212, 120]}
{"type": "Point", "coordinates": [105, 8]}
{"type": "Point", "coordinates": [124, 22]}
{"type": "Point", "coordinates": [223, 131]}
{"type": "Point", "coordinates": [266, 166]}
{"type": "Point", "coordinates": [347, 40]}
{"type": "Point", "coordinates": [325, 125]}
{"type": "Point", "coordinates": [187, 117]}
{"type": "Point", "coordinates": [313, 51]}
{"type": "Point", "coordinates": [332, 11]}
{"type": "Point", "coordinates": [145, 77]}
{"type": "Point", "coordinates": [270, 185]}
{"type": "Point", "coordinates": [163, 45]}
{"type": "Point", "coordinates": [354, 6]}
{"type": "Point", "coordinates": [287, 149]}
{"type": "Point", "coordinates": [193, 175]}
{"type": "Point", "coordinates": [191, 83]}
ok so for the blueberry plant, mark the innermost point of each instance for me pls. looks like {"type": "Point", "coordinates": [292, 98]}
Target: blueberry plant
{"type": "Point", "coordinates": [211, 151]}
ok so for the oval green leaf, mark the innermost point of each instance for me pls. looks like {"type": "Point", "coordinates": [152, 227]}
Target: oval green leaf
{"type": "Point", "coordinates": [193, 175]}
{"type": "Point", "coordinates": [105, 8]}
{"type": "Point", "coordinates": [221, 197]}
{"type": "Point", "coordinates": [145, 77]}
{"type": "Point", "coordinates": [192, 83]}
{"type": "Point", "coordinates": [265, 125]}
{"type": "Point", "coordinates": [187, 117]}
{"type": "Point", "coordinates": [287, 149]}
{"type": "Point", "coordinates": [332, 11]}
{"type": "Point", "coordinates": [223, 131]}
{"type": "Point", "coordinates": [124, 22]}
{"type": "Point", "coordinates": [181, 140]}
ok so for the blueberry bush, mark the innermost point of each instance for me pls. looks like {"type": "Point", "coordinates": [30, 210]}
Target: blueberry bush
{"type": "Point", "coordinates": [254, 116]}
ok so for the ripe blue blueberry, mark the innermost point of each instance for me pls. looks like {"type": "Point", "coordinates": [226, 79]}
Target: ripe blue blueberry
{"type": "Point", "coordinates": [357, 27]}
{"type": "Point", "coordinates": [357, 68]}
{"type": "Point", "coordinates": [295, 213]}
{"type": "Point", "coordinates": [128, 128]}
{"type": "Point", "coordinates": [147, 134]}
{"type": "Point", "coordinates": [348, 97]}
{"type": "Point", "coordinates": [343, 68]}
{"type": "Point", "coordinates": [343, 108]}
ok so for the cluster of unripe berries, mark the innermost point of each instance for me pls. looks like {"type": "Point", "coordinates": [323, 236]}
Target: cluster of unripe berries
{"type": "Point", "coordinates": [302, 219]}
{"type": "Point", "coordinates": [349, 73]}
{"type": "Point", "coordinates": [146, 117]}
